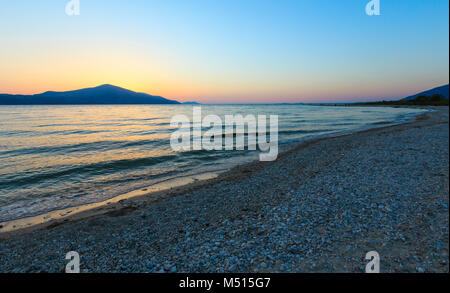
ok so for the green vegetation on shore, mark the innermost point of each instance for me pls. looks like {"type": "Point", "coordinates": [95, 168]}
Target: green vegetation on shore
{"type": "Point", "coordinates": [422, 100]}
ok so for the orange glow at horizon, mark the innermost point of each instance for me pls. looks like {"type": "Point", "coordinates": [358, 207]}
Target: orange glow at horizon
{"type": "Point", "coordinates": [227, 51]}
{"type": "Point", "coordinates": [53, 70]}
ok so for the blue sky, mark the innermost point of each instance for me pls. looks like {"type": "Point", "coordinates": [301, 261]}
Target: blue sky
{"type": "Point", "coordinates": [227, 51]}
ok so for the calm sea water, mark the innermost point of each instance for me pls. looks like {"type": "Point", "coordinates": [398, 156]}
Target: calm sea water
{"type": "Point", "coordinates": [53, 157]}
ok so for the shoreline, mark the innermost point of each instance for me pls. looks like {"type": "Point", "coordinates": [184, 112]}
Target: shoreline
{"type": "Point", "coordinates": [141, 197]}
{"type": "Point", "coordinates": [320, 207]}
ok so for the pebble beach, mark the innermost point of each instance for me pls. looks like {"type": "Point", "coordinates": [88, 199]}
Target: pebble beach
{"type": "Point", "coordinates": [320, 207]}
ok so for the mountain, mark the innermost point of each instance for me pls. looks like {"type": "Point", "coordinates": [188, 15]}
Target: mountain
{"type": "Point", "coordinates": [442, 90]}
{"type": "Point", "coordinates": [101, 95]}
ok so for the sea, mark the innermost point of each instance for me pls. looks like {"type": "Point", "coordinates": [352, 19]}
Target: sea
{"type": "Point", "coordinates": [56, 157]}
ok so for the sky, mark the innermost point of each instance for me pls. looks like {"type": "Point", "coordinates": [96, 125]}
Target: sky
{"type": "Point", "coordinates": [233, 51]}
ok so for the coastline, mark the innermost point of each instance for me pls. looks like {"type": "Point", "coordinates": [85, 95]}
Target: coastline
{"type": "Point", "coordinates": [259, 193]}
{"type": "Point", "coordinates": [138, 198]}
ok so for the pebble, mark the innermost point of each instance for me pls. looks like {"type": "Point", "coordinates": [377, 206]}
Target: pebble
{"type": "Point", "coordinates": [312, 210]}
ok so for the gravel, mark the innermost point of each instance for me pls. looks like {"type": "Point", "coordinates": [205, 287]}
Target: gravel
{"type": "Point", "coordinates": [319, 208]}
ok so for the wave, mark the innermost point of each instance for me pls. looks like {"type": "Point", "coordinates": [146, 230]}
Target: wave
{"type": "Point", "coordinates": [48, 142]}
{"type": "Point", "coordinates": [101, 168]}
{"type": "Point", "coordinates": [381, 123]}
{"type": "Point", "coordinates": [83, 147]}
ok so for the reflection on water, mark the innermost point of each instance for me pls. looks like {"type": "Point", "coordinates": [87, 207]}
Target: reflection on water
{"type": "Point", "coordinates": [53, 157]}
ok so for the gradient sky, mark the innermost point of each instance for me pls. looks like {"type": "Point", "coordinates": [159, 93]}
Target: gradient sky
{"type": "Point", "coordinates": [218, 51]}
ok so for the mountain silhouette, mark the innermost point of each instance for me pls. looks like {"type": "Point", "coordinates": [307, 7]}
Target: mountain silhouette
{"type": "Point", "coordinates": [442, 90]}
{"type": "Point", "coordinates": [100, 95]}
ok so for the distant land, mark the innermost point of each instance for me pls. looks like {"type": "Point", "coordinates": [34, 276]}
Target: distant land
{"type": "Point", "coordinates": [100, 95]}
{"type": "Point", "coordinates": [113, 95]}
{"type": "Point", "coordinates": [438, 96]}
{"type": "Point", "coordinates": [442, 90]}
{"type": "Point", "coordinates": [191, 103]}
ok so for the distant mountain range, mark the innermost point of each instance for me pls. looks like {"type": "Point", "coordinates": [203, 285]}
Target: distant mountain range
{"type": "Point", "coordinates": [442, 90]}
{"type": "Point", "coordinates": [102, 95]}
{"type": "Point", "coordinates": [113, 95]}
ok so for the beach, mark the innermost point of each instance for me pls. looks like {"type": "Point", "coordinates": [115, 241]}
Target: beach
{"type": "Point", "coordinates": [320, 207]}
